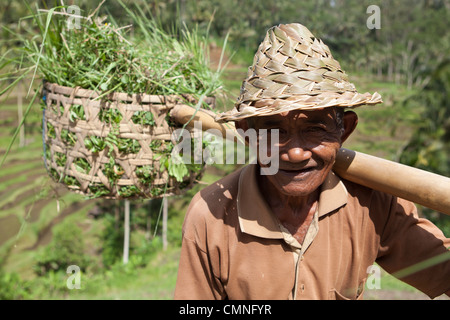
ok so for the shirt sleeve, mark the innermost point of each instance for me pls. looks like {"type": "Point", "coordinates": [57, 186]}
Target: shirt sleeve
{"type": "Point", "coordinates": [196, 279]}
{"type": "Point", "coordinates": [415, 250]}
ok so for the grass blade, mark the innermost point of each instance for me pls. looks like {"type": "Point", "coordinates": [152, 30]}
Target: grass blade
{"type": "Point", "coordinates": [47, 24]}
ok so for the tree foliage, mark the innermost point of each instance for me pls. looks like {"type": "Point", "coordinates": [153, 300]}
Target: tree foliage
{"type": "Point", "coordinates": [412, 40]}
{"type": "Point", "coordinates": [429, 146]}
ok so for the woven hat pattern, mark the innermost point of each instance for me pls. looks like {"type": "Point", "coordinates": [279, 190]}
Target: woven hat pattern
{"type": "Point", "coordinates": [292, 69]}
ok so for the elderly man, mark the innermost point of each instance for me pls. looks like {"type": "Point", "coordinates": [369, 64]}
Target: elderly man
{"type": "Point", "coordinates": [303, 232]}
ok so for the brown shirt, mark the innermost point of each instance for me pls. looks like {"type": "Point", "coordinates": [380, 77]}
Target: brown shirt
{"type": "Point", "coordinates": [235, 248]}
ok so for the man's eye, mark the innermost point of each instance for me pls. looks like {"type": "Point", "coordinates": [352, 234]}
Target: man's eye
{"type": "Point", "coordinates": [317, 129]}
{"type": "Point", "coordinates": [281, 131]}
{"type": "Point", "coordinates": [277, 130]}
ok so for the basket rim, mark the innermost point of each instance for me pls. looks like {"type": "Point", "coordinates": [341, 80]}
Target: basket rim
{"type": "Point", "coordinates": [80, 92]}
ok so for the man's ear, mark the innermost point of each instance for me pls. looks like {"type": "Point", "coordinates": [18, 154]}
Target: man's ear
{"type": "Point", "coordinates": [242, 124]}
{"type": "Point", "coordinates": [350, 123]}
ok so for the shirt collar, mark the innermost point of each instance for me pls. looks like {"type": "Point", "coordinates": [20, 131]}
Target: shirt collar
{"type": "Point", "coordinates": [255, 216]}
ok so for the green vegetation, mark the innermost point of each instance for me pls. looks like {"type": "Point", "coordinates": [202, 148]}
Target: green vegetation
{"type": "Point", "coordinates": [429, 146]}
{"type": "Point", "coordinates": [40, 220]}
{"type": "Point", "coordinates": [67, 246]}
{"type": "Point", "coordinates": [99, 55]}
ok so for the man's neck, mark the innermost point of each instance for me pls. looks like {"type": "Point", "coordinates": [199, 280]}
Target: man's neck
{"type": "Point", "coordinates": [294, 212]}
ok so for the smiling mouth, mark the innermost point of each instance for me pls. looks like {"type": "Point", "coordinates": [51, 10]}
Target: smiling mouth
{"type": "Point", "coordinates": [296, 173]}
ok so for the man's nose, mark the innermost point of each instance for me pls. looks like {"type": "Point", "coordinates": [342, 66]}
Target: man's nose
{"type": "Point", "coordinates": [295, 151]}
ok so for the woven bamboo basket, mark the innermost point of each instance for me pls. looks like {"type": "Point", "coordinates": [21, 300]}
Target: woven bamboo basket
{"type": "Point", "coordinates": [65, 150]}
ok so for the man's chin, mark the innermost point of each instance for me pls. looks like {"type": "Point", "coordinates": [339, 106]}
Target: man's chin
{"type": "Point", "coordinates": [298, 192]}
{"type": "Point", "coordinates": [296, 175]}
{"type": "Point", "coordinates": [297, 187]}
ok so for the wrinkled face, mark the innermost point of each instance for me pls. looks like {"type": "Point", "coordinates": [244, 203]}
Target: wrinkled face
{"type": "Point", "coordinates": [308, 144]}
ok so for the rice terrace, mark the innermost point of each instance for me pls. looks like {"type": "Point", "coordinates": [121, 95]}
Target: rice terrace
{"type": "Point", "coordinates": [87, 111]}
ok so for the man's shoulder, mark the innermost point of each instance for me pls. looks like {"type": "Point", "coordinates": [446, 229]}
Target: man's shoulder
{"type": "Point", "coordinates": [216, 197]}
{"type": "Point", "coordinates": [224, 189]}
{"type": "Point", "coordinates": [374, 199]}
{"type": "Point", "coordinates": [363, 193]}
{"type": "Point", "coordinates": [357, 190]}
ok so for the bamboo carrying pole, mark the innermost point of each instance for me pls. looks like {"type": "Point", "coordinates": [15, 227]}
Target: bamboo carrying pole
{"type": "Point", "coordinates": [419, 186]}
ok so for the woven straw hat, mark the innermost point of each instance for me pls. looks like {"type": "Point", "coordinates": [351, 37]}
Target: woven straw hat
{"type": "Point", "coordinates": [293, 70]}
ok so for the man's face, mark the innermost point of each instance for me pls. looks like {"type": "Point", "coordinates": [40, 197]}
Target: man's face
{"type": "Point", "coordinates": [308, 144]}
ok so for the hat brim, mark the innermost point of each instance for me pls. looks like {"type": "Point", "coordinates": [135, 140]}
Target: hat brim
{"type": "Point", "coordinates": [267, 107]}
